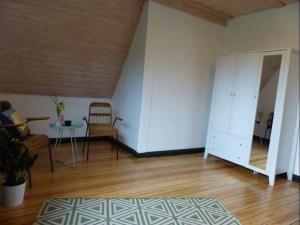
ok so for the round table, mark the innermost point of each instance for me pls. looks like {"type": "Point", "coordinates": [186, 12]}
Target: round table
{"type": "Point", "coordinates": [71, 129]}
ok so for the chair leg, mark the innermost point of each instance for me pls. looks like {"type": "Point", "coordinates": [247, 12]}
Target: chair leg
{"type": "Point", "coordinates": [88, 149]}
{"type": "Point", "coordinates": [50, 156]}
{"type": "Point", "coordinates": [29, 178]}
{"type": "Point", "coordinates": [86, 132]}
{"type": "Point", "coordinates": [117, 147]}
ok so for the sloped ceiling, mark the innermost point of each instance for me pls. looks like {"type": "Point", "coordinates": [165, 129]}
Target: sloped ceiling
{"type": "Point", "coordinates": [78, 47]}
{"type": "Point", "coordinates": [65, 47]}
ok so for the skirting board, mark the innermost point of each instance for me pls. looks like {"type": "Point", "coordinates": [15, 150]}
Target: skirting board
{"type": "Point", "coordinates": [160, 153]}
{"type": "Point", "coordinates": [296, 178]}
{"type": "Point", "coordinates": [80, 139]}
{"type": "Point", "coordinates": [133, 151]}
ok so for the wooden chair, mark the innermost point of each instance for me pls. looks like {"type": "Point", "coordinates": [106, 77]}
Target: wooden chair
{"type": "Point", "coordinates": [31, 142]}
{"type": "Point", "coordinates": [269, 125]}
{"type": "Point", "coordinates": [99, 124]}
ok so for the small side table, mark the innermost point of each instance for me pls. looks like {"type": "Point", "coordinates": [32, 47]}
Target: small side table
{"type": "Point", "coordinates": [74, 150]}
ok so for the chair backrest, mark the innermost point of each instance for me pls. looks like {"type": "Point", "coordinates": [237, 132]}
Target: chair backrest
{"type": "Point", "coordinates": [100, 113]}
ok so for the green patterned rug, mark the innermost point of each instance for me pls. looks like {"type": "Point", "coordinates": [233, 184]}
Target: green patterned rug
{"type": "Point", "coordinates": [94, 211]}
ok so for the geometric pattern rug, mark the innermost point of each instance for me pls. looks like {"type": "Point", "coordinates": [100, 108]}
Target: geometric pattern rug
{"type": "Point", "coordinates": [133, 211]}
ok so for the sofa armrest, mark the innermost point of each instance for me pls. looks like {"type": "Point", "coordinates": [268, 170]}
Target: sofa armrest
{"type": "Point", "coordinates": [37, 118]}
{"type": "Point", "coordinates": [11, 125]}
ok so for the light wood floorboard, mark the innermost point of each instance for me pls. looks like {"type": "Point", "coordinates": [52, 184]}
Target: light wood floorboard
{"type": "Point", "coordinates": [247, 196]}
{"type": "Point", "coordinates": [259, 153]}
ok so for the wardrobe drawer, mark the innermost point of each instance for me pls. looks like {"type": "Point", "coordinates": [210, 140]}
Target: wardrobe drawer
{"type": "Point", "coordinates": [224, 152]}
{"type": "Point", "coordinates": [228, 141]}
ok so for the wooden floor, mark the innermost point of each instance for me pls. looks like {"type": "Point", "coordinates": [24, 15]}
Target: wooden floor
{"type": "Point", "coordinates": [259, 153]}
{"type": "Point", "coordinates": [246, 195]}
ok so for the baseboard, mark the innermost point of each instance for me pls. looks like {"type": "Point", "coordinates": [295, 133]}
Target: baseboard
{"type": "Point", "coordinates": [133, 151]}
{"type": "Point", "coordinates": [80, 139]}
{"type": "Point", "coordinates": [282, 175]}
{"type": "Point", "coordinates": [296, 178]}
{"type": "Point", "coordinates": [129, 149]}
{"type": "Point", "coordinates": [160, 153]}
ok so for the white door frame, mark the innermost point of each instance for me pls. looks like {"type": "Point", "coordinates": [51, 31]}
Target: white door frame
{"type": "Point", "coordinates": [278, 113]}
{"type": "Point", "coordinates": [294, 149]}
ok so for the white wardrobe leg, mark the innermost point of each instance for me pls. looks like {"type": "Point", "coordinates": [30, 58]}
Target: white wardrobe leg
{"type": "Point", "coordinates": [271, 180]}
{"type": "Point", "coordinates": [205, 155]}
{"type": "Point", "coordinates": [289, 176]}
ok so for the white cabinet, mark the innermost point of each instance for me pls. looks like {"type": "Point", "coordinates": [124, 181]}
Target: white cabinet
{"type": "Point", "coordinates": [227, 146]}
{"type": "Point", "coordinates": [245, 94]}
{"type": "Point", "coordinates": [233, 111]}
{"type": "Point", "coordinates": [224, 85]}
{"type": "Point", "coordinates": [233, 105]}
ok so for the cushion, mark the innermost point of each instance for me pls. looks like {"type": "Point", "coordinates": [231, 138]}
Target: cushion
{"type": "Point", "coordinates": [12, 130]}
{"type": "Point", "coordinates": [102, 130]}
{"type": "Point", "coordinates": [8, 112]}
{"type": "Point", "coordinates": [33, 142]}
{"type": "Point", "coordinates": [16, 118]}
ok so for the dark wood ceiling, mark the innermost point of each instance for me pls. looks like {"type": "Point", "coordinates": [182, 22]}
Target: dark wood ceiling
{"type": "Point", "coordinates": [78, 47]}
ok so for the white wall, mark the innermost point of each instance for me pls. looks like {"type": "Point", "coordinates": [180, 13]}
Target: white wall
{"type": "Point", "coordinates": [271, 29]}
{"type": "Point", "coordinates": [38, 105]}
{"type": "Point", "coordinates": [181, 53]}
{"type": "Point", "coordinates": [127, 97]}
{"type": "Point", "coordinates": [297, 159]}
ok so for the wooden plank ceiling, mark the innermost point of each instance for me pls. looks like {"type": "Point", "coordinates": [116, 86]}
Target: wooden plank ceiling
{"type": "Point", "coordinates": [78, 47]}
{"type": "Point", "coordinates": [221, 11]}
{"type": "Point", "coordinates": [65, 47]}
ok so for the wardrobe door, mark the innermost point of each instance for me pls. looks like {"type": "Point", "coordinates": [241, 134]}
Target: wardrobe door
{"type": "Point", "coordinates": [222, 96]}
{"type": "Point", "coordinates": [245, 95]}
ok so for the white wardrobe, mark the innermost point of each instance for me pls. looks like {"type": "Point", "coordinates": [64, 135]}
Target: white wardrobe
{"type": "Point", "coordinates": [237, 85]}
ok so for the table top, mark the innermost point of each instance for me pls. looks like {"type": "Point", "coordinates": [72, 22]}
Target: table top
{"type": "Point", "coordinates": [75, 125]}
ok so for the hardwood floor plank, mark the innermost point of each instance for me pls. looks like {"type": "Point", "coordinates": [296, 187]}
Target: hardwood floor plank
{"type": "Point", "coordinates": [247, 196]}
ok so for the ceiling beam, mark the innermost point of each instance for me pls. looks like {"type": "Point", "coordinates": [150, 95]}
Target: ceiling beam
{"type": "Point", "coordinates": [197, 9]}
{"type": "Point", "coordinates": [289, 1]}
{"type": "Point", "coordinates": [275, 3]}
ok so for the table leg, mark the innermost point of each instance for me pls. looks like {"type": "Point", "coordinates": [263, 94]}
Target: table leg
{"type": "Point", "coordinates": [57, 138]}
{"type": "Point", "coordinates": [58, 141]}
{"type": "Point", "coordinates": [72, 147]}
{"type": "Point", "coordinates": [75, 142]}
{"type": "Point", "coordinates": [60, 137]}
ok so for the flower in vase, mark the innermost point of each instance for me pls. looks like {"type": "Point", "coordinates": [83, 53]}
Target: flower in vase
{"type": "Point", "coordinates": [60, 108]}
